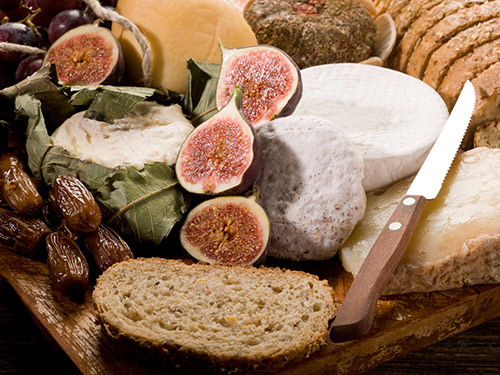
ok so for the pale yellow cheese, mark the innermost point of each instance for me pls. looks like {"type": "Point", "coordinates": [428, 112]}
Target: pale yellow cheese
{"type": "Point", "coordinates": [457, 241]}
{"type": "Point", "coordinates": [178, 31]}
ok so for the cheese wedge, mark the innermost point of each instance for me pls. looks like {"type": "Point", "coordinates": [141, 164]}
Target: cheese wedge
{"type": "Point", "coordinates": [392, 118]}
{"type": "Point", "coordinates": [457, 241]}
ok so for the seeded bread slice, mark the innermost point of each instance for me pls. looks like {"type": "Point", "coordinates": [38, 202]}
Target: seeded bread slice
{"type": "Point", "coordinates": [217, 319]}
{"type": "Point", "coordinates": [445, 29]}
{"type": "Point", "coordinates": [467, 68]}
{"type": "Point", "coordinates": [488, 134]}
{"type": "Point", "coordinates": [423, 23]}
{"type": "Point", "coordinates": [457, 47]}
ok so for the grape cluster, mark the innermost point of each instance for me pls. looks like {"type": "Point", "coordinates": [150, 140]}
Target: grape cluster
{"type": "Point", "coordinates": [36, 23]}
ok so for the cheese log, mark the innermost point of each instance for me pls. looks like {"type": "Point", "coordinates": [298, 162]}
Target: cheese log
{"type": "Point", "coordinates": [457, 47]}
{"type": "Point", "coordinates": [392, 118]}
{"type": "Point", "coordinates": [178, 31]}
{"type": "Point", "coordinates": [444, 30]}
{"type": "Point", "coordinates": [310, 187]}
{"type": "Point", "coordinates": [457, 241]}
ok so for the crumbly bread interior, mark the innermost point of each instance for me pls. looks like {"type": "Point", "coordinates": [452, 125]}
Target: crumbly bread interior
{"type": "Point", "coordinates": [228, 315]}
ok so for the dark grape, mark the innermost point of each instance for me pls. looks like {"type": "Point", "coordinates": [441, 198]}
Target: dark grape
{"type": "Point", "coordinates": [28, 66]}
{"type": "Point", "coordinates": [53, 7]}
{"type": "Point", "coordinates": [65, 21]}
{"type": "Point", "coordinates": [9, 4]}
{"type": "Point", "coordinates": [31, 4]}
{"type": "Point", "coordinates": [16, 33]}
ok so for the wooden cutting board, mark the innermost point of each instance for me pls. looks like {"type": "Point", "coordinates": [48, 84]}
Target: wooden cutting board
{"type": "Point", "coordinates": [402, 323]}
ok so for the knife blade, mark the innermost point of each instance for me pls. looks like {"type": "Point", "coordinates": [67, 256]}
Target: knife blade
{"type": "Point", "coordinates": [356, 313]}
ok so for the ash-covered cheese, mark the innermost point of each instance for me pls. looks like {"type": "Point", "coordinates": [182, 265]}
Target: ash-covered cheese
{"type": "Point", "coordinates": [457, 241]}
{"type": "Point", "coordinates": [311, 187]}
{"type": "Point", "coordinates": [150, 133]}
{"type": "Point", "coordinates": [392, 118]}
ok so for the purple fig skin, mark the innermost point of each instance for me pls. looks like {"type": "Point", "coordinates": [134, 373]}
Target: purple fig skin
{"type": "Point", "coordinates": [292, 102]}
{"type": "Point", "coordinates": [114, 76]}
{"type": "Point", "coordinates": [250, 205]}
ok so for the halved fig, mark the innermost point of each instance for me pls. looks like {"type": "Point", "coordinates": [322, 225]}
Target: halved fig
{"type": "Point", "coordinates": [87, 55]}
{"type": "Point", "coordinates": [223, 155]}
{"type": "Point", "coordinates": [270, 78]}
{"type": "Point", "coordinates": [227, 230]}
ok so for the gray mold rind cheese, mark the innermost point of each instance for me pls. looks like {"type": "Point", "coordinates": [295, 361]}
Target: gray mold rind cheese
{"type": "Point", "coordinates": [391, 117]}
{"type": "Point", "coordinates": [311, 187]}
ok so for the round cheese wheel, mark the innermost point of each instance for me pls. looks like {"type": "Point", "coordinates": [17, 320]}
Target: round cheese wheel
{"type": "Point", "coordinates": [391, 117]}
{"type": "Point", "coordinates": [178, 31]}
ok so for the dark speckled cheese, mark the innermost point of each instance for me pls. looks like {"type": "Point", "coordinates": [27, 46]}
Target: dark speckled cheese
{"type": "Point", "coordinates": [314, 32]}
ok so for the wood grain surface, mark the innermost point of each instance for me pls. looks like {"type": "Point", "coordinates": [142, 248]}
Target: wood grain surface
{"type": "Point", "coordinates": [403, 324]}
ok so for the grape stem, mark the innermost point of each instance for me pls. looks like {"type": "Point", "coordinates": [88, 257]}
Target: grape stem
{"type": "Point", "coordinates": [111, 15]}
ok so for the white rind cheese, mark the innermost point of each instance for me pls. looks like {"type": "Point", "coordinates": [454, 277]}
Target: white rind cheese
{"type": "Point", "coordinates": [391, 117]}
{"type": "Point", "coordinates": [150, 133]}
{"type": "Point", "coordinates": [311, 187]}
{"type": "Point", "coordinates": [457, 241]}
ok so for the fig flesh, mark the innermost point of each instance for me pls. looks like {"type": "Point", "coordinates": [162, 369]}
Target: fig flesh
{"type": "Point", "coordinates": [87, 55]}
{"type": "Point", "coordinates": [227, 230]}
{"type": "Point", "coordinates": [223, 155]}
{"type": "Point", "coordinates": [270, 78]}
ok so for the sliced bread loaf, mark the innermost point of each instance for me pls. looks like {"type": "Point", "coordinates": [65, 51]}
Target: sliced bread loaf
{"type": "Point", "coordinates": [457, 47]}
{"type": "Point", "coordinates": [488, 134]}
{"type": "Point", "coordinates": [444, 30]}
{"type": "Point", "coordinates": [217, 318]}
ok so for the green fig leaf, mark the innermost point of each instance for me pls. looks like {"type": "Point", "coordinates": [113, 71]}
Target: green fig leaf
{"type": "Point", "coordinates": [200, 101]}
{"type": "Point", "coordinates": [55, 104]}
{"type": "Point", "coordinates": [143, 204]}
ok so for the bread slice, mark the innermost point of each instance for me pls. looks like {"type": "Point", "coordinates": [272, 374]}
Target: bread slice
{"type": "Point", "coordinates": [423, 23]}
{"type": "Point", "coordinates": [488, 134]}
{"type": "Point", "coordinates": [457, 47]}
{"type": "Point", "coordinates": [215, 318]}
{"type": "Point", "coordinates": [445, 29]}
{"type": "Point", "coordinates": [457, 241]}
{"type": "Point", "coordinates": [404, 19]}
{"type": "Point", "coordinates": [487, 85]}
{"type": "Point", "coordinates": [467, 68]}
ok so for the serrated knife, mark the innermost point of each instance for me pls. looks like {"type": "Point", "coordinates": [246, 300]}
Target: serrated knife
{"type": "Point", "coordinates": [355, 315]}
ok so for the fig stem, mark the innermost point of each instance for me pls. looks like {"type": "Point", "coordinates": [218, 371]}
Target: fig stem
{"type": "Point", "coordinates": [147, 54]}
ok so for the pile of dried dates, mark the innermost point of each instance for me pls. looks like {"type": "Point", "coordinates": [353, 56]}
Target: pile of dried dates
{"type": "Point", "coordinates": [60, 225]}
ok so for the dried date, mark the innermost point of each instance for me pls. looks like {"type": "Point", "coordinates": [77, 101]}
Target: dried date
{"type": "Point", "coordinates": [107, 247]}
{"type": "Point", "coordinates": [18, 189]}
{"type": "Point", "coordinates": [22, 235]}
{"type": "Point", "coordinates": [68, 268]}
{"type": "Point", "coordinates": [76, 204]}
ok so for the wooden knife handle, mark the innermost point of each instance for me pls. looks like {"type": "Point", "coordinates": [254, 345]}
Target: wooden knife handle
{"type": "Point", "coordinates": [355, 316]}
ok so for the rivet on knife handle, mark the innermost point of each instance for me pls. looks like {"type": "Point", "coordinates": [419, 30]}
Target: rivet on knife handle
{"type": "Point", "coordinates": [356, 315]}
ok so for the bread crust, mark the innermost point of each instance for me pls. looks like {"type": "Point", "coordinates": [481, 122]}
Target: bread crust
{"type": "Point", "coordinates": [457, 47]}
{"type": "Point", "coordinates": [445, 29]}
{"type": "Point", "coordinates": [171, 348]}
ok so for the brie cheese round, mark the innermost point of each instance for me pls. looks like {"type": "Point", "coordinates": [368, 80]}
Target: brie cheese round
{"type": "Point", "coordinates": [391, 117]}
